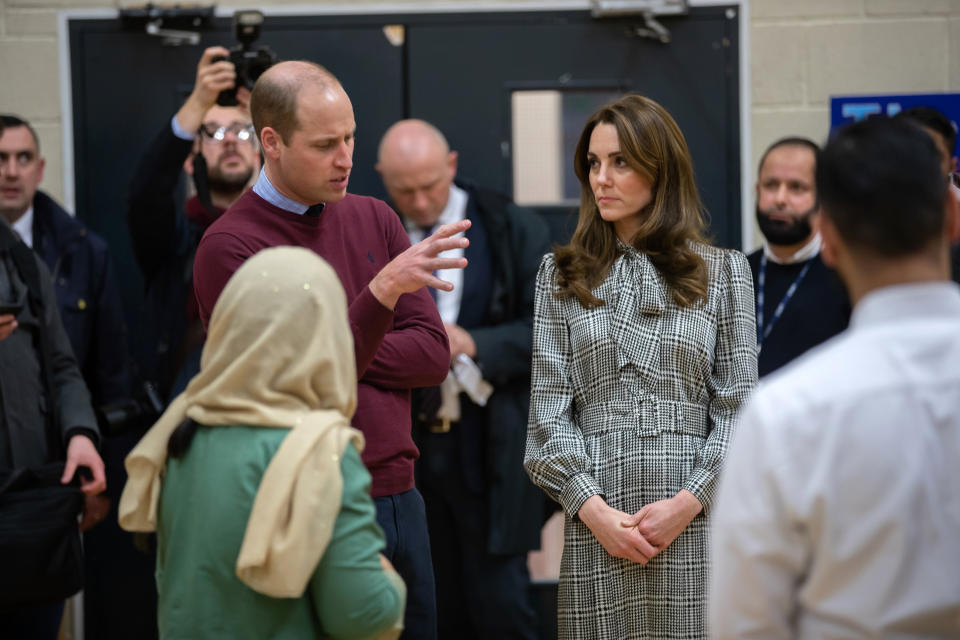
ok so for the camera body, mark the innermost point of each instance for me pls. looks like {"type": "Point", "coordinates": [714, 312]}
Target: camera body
{"type": "Point", "coordinates": [249, 63]}
{"type": "Point", "coordinates": [135, 413]}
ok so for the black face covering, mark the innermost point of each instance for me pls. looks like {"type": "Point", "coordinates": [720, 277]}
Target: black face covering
{"type": "Point", "coordinates": [780, 232]}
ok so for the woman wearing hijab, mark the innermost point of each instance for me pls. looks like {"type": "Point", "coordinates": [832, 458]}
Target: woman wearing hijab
{"type": "Point", "coordinates": [644, 349]}
{"type": "Point", "coordinates": [253, 480]}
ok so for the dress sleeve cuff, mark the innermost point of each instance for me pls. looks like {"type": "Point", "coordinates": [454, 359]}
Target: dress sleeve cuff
{"type": "Point", "coordinates": [702, 484]}
{"type": "Point", "coordinates": [372, 310]}
{"type": "Point", "coordinates": [179, 131]}
{"type": "Point", "coordinates": [580, 487]}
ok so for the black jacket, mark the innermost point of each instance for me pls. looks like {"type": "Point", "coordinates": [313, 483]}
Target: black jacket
{"type": "Point", "coordinates": [25, 404]}
{"type": "Point", "coordinates": [819, 309]}
{"type": "Point", "coordinates": [87, 297]}
{"type": "Point", "coordinates": [164, 241]}
{"type": "Point", "coordinates": [519, 239]}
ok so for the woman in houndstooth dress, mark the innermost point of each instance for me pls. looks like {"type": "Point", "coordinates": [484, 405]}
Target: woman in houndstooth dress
{"type": "Point", "coordinates": [644, 350]}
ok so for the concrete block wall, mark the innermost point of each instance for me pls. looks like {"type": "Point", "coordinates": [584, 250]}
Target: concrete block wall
{"type": "Point", "coordinates": [801, 52]}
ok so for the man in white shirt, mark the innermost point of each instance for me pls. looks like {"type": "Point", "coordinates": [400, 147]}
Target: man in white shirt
{"type": "Point", "coordinates": [838, 514]}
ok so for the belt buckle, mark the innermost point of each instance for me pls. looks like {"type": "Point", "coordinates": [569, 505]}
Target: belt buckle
{"type": "Point", "coordinates": [440, 425]}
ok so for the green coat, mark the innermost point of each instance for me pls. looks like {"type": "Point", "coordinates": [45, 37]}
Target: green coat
{"type": "Point", "coordinates": [204, 505]}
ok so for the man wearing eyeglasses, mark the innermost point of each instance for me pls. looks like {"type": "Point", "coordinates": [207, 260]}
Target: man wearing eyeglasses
{"type": "Point", "coordinates": [216, 147]}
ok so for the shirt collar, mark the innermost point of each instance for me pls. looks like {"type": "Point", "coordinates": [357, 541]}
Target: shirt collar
{"type": "Point", "coordinates": [896, 303]}
{"type": "Point", "coordinates": [804, 253]}
{"type": "Point", "coordinates": [456, 209]}
{"type": "Point", "coordinates": [24, 227]}
{"type": "Point", "coordinates": [265, 189]}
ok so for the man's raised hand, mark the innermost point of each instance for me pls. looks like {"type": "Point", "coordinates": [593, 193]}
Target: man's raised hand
{"type": "Point", "coordinates": [415, 267]}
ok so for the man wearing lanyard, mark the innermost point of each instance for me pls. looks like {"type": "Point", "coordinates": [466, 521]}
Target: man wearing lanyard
{"type": "Point", "coordinates": [800, 301]}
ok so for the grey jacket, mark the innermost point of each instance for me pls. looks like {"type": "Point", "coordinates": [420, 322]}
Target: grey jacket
{"type": "Point", "coordinates": [24, 404]}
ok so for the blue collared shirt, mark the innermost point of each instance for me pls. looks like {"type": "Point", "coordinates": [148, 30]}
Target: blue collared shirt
{"type": "Point", "coordinates": [265, 189]}
{"type": "Point", "coordinates": [179, 131]}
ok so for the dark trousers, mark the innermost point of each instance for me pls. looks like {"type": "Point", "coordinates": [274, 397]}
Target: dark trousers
{"type": "Point", "coordinates": [404, 523]}
{"type": "Point", "coordinates": [480, 595]}
{"type": "Point", "coordinates": [41, 622]}
{"type": "Point", "coordinates": [119, 591]}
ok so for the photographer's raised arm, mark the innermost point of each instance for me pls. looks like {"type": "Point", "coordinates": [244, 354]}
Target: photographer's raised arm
{"type": "Point", "coordinates": [151, 208]}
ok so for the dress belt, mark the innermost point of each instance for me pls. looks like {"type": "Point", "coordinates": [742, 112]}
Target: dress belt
{"type": "Point", "coordinates": [647, 417]}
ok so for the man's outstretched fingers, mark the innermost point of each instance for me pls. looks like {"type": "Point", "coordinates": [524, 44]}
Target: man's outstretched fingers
{"type": "Point", "coordinates": [447, 230]}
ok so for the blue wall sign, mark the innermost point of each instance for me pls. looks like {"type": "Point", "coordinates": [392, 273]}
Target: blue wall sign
{"type": "Point", "coordinates": [847, 109]}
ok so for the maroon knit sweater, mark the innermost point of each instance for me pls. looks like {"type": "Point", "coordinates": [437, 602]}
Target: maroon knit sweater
{"type": "Point", "coordinates": [396, 350]}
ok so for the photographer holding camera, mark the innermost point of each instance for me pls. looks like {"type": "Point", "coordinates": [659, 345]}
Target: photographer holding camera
{"type": "Point", "coordinates": [216, 146]}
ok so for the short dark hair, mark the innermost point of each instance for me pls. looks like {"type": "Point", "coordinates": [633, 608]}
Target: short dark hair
{"type": "Point", "coordinates": [932, 119]}
{"type": "Point", "coordinates": [792, 141]}
{"type": "Point", "coordinates": [880, 183]}
{"type": "Point", "coordinates": [11, 121]}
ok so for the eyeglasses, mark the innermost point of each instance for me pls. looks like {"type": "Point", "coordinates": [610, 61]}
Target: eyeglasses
{"type": "Point", "coordinates": [243, 132]}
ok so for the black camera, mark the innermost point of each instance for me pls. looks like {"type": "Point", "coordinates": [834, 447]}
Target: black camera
{"type": "Point", "coordinates": [250, 63]}
{"type": "Point", "coordinates": [138, 412]}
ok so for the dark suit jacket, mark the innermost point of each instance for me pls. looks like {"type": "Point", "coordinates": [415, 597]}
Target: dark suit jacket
{"type": "Point", "coordinates": [165, 240]}
{"type": "Point", "coordinates": [88, 298]}
{"type": "Point", "coordinates": [25, 404]}
{"type": "Point", "coordinates": [517, 240]}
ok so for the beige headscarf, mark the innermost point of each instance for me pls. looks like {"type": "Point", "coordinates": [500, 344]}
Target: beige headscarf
{"type": "Point", "coordinates": [279, 353]}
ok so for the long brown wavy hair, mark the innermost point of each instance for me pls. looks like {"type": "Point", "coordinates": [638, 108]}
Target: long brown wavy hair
{"type": "Point", "coordinates": [653, 145]}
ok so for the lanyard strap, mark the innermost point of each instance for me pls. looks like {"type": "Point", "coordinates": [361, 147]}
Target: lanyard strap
{"type": "Point", "coordinates": [764, 331]}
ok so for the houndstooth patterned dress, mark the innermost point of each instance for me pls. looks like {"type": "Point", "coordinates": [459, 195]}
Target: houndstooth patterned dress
{"type": "Point", "coordinates": [635, 400]}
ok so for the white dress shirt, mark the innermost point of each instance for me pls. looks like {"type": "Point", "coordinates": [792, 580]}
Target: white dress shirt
{"type": "Point", "coordinates": [838, 514]}
{"type": "Point", "coordinates": [24, 227]}
{"type": "Point", "coordinates": [448, 302]}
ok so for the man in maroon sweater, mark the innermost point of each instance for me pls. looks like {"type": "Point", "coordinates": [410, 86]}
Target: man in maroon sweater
{"type": "Point", "coordinates": [305, 123]}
